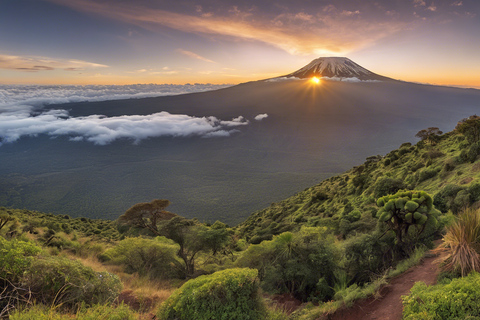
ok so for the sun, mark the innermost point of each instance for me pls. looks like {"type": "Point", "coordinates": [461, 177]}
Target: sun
{"type": "Point", "coordinates": [315, 80]}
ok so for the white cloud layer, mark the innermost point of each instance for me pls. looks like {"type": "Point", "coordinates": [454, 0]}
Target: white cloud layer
{"type": "Point", "coordinates": [12, 95]}
{"type": "Point", "coordinates": [21, 114]}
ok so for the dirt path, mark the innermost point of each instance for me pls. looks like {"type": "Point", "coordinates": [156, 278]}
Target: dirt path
{"type": "Point", "coordinates": [389, 305]}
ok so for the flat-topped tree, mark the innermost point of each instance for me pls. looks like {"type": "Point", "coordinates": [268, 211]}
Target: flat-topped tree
{"type": "Point", "coordinates": [147, 215]}
{"type": "Point", "coordinates": [429, 135]}
{"type": "Point", "coordinates": [406, 209]}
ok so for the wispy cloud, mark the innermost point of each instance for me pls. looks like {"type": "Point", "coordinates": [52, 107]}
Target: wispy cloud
{"type": "Point", "coordinates": [329, 31]}
{"type": "Point", "coordinates": [22, 113]}
{"type": "Point", "coordinates": [194, 55]}
{"type": "Point", "coordinates": [35, 64]}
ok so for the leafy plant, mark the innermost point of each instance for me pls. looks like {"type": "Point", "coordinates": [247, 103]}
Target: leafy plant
{"type": "Point", "coordinates": [462, 243]}
{"type": "Point", "coordinates": [61, 281]}
{"type": "Point", "coordinates": [457, 299]}
{"type": "Point", "coordinates": [230, 294]}
{"type": "Point", "coordinates": [154, 257]}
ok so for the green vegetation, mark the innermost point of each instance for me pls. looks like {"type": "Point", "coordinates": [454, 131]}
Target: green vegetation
{"type": "Point", "coordinates": [325, 247]}
{"type": "Point", "coordinates": [228, 294]}
{"type": "Point", "coordinates": [461, 244]}
{"type": "Point", "coordinates": [452, 299]}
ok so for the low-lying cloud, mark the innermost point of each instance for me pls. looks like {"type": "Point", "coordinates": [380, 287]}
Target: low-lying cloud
{"type": "Point", "coordinates": [22, 113]}
{"type": "Point", "coordinates": [12, 95]}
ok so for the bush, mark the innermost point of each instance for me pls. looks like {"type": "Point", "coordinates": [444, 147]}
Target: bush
{"type": "Point", "coordinates": [457, 299]}
{"type": "Point", "coordinates": [387, 185]}
{"type": "Point", "coordinates": [16, 257]}
{"type": "Point", "coordinates": [59, 280]}
{"type": "Point", "coordinates": [426, 174]}
{"type": "Point", "coordinates": [153, 257]}
{"type": "Point", "coordinates": [368, 255]}
{"type": "Point", "coordinates": [294, 262]}
{"type": "Point", "coordinates": [444, 199]}
{"type": "Point", "coordinates": [225, 295]}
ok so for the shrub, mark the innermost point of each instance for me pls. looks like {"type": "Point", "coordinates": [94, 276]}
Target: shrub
{"type": "Point", "coordinates": [294, 262]}
{"type": "Point", "coordinates": [16, 257]}
{"type": "Point", "coordinates": [387, 185]}
{"type": "Point", "coordinates": [367, 255]}
{"type": "Point", "coordinates": [225, 295]}
{"type": "Point", "coordinates": [473, 152]}
{"type": "Point", "coordinates": [443, 200]}
{"type": "Point", "coordinates": [59, 280]}
{"type": "Point", "coordinates": [457, 299]}
{"type": "Point", "coordinates": [426, 174]}
{"type": "Point", "coordinates": [153, 257]}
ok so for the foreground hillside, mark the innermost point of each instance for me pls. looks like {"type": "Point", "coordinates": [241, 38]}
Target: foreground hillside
{"type": "Point", "coordinates": [323, 248]}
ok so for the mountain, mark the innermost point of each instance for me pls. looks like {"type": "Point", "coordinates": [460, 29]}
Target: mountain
{"type": "Point", "coordinates": [310, 132]}
{"type": "Point", "coordinates": [336, 67]}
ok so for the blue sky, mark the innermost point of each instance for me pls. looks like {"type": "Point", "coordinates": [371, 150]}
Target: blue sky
{"type": "Point", "coordinates": [156, 41]}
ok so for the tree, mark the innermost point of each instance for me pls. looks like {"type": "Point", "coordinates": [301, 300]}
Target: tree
{"type": "Point", "coordinates": [147, 215]}
{"type": "Point", "coordinates": [429, 135]}
{"type": "Point", "coordinates": [470, 128]}
{"type": "Point", "coordinates": [404, 210]}
{"type": "Point", "coordinates": [189, 234]}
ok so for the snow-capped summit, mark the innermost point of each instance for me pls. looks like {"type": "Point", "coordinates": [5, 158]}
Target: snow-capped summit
{"type": "Point", "coordinates": [335, 67]}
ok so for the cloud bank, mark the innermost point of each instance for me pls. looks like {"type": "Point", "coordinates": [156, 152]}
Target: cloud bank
{"type": "Point", "coordinates": [22, 114]}
{"type": "Point", "coordinates": [14, 95]}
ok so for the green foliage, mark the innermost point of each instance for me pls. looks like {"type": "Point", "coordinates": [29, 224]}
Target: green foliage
{"type": "Point", "coordinates": [61, 281]}
{"type": "Point", "coordinates": [407, 211]}
{"type": "Point", "coordinates": [426, 174]}
{"type": "Point", "coordinates": [96, 312]}
{"type": "Point", "coordinates": [461, 243]}
{"type": "Point", "coordinates": [295, 262]}
{"type": "Point", "coordinates": [153, 257]}
{"type": "Point", "coordinates": [107, 312]}
{"type": "Point", "coordinates": [470, 128]}
{"type": "Point", "coordinates": [387, 185]}
{"type": "Point", "coordinates": [225, 295]}
{"type": "Point", "coordinates": [367, 255]}
{"type": "Point", "coordinates": [15, 258]}
{"type": "Point", "coordinates": [457, 299]}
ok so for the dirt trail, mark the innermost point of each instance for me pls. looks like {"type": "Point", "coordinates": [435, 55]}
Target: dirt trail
{"type": "Point", "coordinates": [389, 305]}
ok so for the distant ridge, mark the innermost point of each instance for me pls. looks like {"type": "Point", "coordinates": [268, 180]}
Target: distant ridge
{"type": "Point", "coordinates": [336, 67]}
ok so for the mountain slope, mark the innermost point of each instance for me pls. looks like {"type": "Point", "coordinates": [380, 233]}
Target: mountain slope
{"type": "Point", "coordinates": [449, 171]}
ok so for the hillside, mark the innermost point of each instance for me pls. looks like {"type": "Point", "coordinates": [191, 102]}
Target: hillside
{"type": "Point", "coordinates": [326, 244]}
{"type": "Point", "coordinates": [447, 169]}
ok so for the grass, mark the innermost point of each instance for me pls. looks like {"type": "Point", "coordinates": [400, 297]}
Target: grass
{"type": "Point", "coordinates": [461, 243]}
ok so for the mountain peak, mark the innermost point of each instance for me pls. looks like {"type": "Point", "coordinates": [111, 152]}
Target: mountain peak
{"type": "Point", "coordinates": [335, 67]}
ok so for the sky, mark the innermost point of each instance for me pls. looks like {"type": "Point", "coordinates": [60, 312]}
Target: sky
{"type": "Point", "coordinates": [118, 42]}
